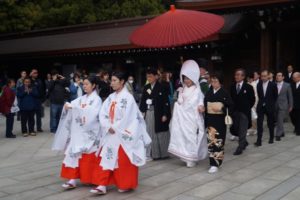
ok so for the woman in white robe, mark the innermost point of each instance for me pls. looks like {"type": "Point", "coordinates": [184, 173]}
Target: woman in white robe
{"type": "Point", "coordinates": [78, 135]}
{"type": "Point", "coordinates": [123, 141]}
{"type": "Point", "coordinates": [188, 137]}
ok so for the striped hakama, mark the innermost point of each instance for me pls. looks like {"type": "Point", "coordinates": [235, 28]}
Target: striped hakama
{"type": "Point", "coordinates": [160, 141]}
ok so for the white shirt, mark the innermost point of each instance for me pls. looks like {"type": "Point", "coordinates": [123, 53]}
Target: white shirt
{"type": "Point", "coordinates": [14, 108]}
{"type": "Point", "coordinates": [265, 86]}
{"type": "Point", "coordinates": [241, 85]}
{"type": "Point", "coordinates": [297, 84]}
{"type": "Point", "coordinates": [279, 86]}
{"type": "Point", "coordinates": [152, 85]}
{"type": "Point", "coordinates": [290, 74]}
{"type": "Point", "coordinates": [79, 90]}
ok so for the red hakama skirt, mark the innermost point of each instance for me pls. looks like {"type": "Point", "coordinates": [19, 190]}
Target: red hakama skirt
{"type": "Point", "coordinates": [124, 177]}
{"type": "Point", "coordinates": [88, 164]}
{"type": "Point", "coordinates": [90, 172]}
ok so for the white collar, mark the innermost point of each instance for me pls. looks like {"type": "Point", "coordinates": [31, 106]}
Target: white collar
{"type": "Point", "coordinates": [280, 83]}
{"type": "Point", "coordinates": [265, 83]}
{"type": "Point", "coordinates": [152, 85]}
{"type": "Point", "coordinates": [215, 91]}
{"type": "Point", "coordinates": [203, 80]}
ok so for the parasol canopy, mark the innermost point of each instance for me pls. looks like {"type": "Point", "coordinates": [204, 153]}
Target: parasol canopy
{"type": "Point", "coordinates": [176, 27]}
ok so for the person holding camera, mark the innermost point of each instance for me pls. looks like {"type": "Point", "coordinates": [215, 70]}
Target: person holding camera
{"type": "Point", "coordinates": [57, 96]}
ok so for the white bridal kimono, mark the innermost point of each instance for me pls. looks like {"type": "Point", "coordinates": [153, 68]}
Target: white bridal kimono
{"type": "Point", "coordinates": [188, 136]}
{"type": "Point", "coordinates": [120, 112]}
{"type": "Point", "coordinates": [78, 131]}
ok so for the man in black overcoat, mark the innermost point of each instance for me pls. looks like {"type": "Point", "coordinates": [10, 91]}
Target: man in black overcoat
{"type": "Point", "coordinates": [243, 97]}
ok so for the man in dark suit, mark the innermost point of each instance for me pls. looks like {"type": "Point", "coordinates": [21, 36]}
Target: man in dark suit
{"type": "Point", "coordinates": [288, 76]}
{"type": "Point", "coordinates": [267, 95]}
{"type": "Point", "coordinates": [243, 97]}
{"type": "Point", "coordinates": [156, 108]}
{"type": "Point", "coordinates": [296, 108]}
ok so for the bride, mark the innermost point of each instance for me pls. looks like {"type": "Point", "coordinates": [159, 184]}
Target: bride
{"type": "Point", "coordinates": [188, 137]}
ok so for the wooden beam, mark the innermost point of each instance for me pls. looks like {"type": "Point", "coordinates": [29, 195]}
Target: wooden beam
{"type": "Point", "coordinates": [223, 4]}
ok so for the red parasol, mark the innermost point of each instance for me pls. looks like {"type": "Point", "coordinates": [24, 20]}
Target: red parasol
{"type": "Point", "coordinates": [176, 27]}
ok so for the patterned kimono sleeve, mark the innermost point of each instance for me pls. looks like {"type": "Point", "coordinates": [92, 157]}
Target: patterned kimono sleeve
{"type": "Point", "coordinates": [104, 117]}
{"type": "Point", "coordinates": [63, 132]}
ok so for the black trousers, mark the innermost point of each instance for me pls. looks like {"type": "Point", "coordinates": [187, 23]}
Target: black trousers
{"type": "Point", "coordinates": [296, 114]}
{"type": "Point", "coordinates": [38, 117]}
{"type": "Point", "coordinates": [9, 124]}
{"type": "Point", "coordinates": [293, 117]}
{"type": "Point", "coordinates": [270, 121]}
{"type": "Point", "coordinates": [27, 118]}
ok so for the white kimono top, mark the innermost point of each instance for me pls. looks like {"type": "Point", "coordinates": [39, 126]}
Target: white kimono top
{"type": "Point", "coordinates": [120, 112]}
{"type": "Point", "coordinates": [79, 129]}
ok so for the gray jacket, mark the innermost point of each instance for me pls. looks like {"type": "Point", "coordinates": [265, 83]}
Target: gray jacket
{"type": "Point", "coordinates": [285, 97]}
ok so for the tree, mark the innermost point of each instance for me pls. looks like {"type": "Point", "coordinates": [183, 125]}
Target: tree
{"type": "Point", "coordinates": [26, 15]}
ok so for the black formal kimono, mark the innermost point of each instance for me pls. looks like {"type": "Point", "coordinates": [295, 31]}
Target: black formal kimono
{"type": "Point", "coordinates": [155, 105]}
{"type": "Point", "coordinates": [216, 127]}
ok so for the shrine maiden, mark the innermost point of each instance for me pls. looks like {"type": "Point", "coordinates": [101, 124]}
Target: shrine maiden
{"type": "Point", "coordinates": [78, 134]}
{"type": "Point", "coordinates": [123, 141]}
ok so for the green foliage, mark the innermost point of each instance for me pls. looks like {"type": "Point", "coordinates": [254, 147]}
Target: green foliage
{"type": "Point", "coordinates": [23, 15]}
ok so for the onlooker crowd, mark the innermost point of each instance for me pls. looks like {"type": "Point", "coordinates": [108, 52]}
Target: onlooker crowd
{"type": "Point", "coordinates": [197, 94]}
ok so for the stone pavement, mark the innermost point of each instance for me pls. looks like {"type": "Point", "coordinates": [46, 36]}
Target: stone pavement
{"type": "Point", "coordinates": [30, 170]}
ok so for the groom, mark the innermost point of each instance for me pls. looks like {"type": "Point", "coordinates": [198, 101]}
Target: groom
{"type": "Point", "coordinates": [243, 97]}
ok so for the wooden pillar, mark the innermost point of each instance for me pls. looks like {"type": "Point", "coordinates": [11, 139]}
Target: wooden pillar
{"type": "Point", "coordinates": [265, 49]}
{"type": "Point", "coordinates": [278, 51]}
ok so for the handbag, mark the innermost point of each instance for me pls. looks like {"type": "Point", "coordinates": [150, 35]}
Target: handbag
{"type": "Point", "coordinates": [228, 119]}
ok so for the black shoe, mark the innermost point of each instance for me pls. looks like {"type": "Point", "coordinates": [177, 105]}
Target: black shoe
{"type": "Point", "coordinates": [271, 141]}
{"type": "Point", "coordinates": [238, 151]}
{"type": "Point", "coordinates": [283, 134]}
{"type": "Point", "coordinates": [40, 130]}
{"type": "Point", "coordinates": [258, 144]}
{"type": "Point", "coordinates": [11, 136]}
{"type": "Point", "coordinates": [278, 138]}
{"type": "Point", "coordinates": [245, 146]}
{"type": "Point", "coordinates": [165, 158]}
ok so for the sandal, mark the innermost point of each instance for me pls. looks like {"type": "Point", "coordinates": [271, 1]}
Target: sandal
{"type": "Point", "coordinates": [68, 186]}
{"type": "Point", "coordinates": [97, 191]}
{"type": "Point", "coordinates": [122, 191]}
